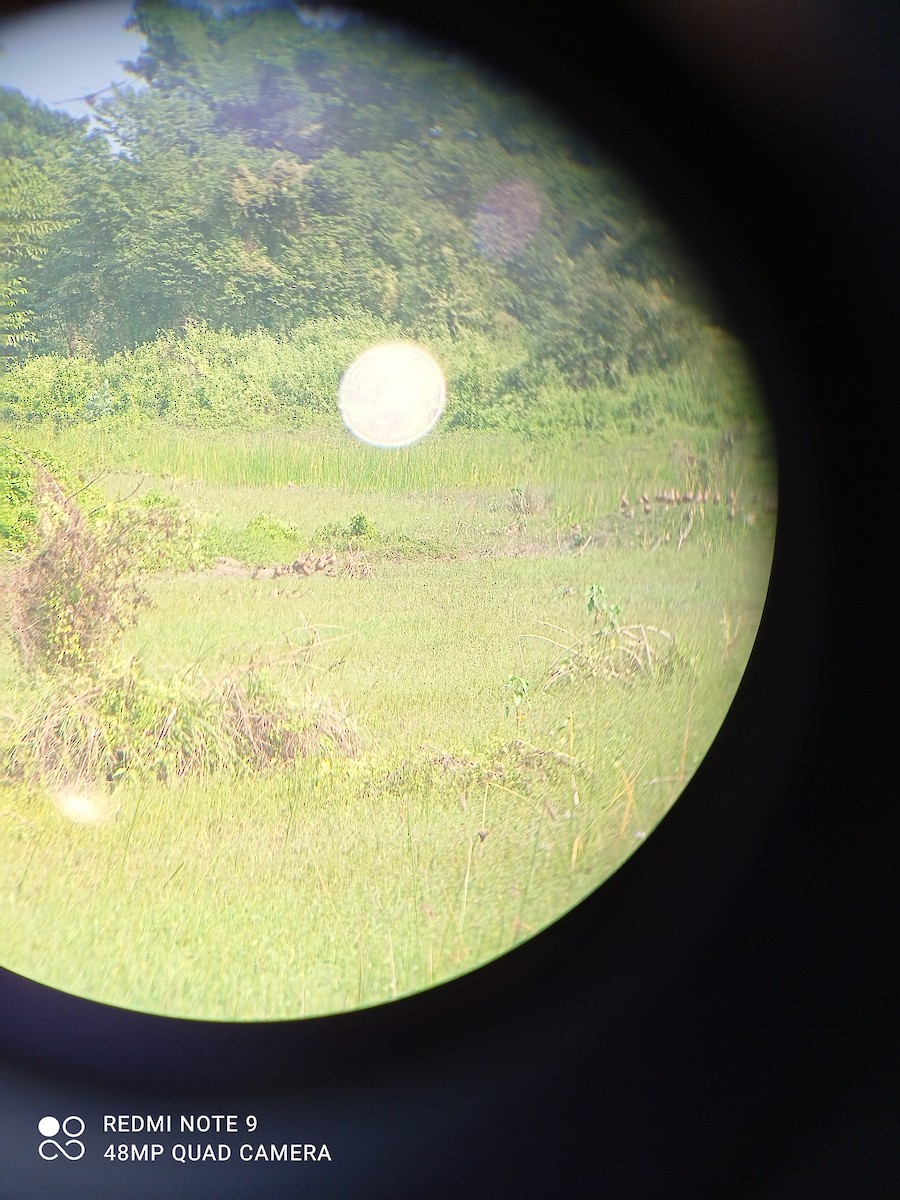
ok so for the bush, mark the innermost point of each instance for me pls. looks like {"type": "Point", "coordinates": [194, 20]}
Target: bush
{"type": "Point", "coordinates": [49, 387]}
{"type": "Point", "coordinates": [123, 724]}
{"type": "Point", "coordinates": [158, 530]}
{"type": "Point", "coordinates": [359, 529]}
{"type": "Point", "coordinates": [262, 540]}
{"type": "Point", "coordinates": [511, 380]}
{"type": "Point", "coordinates": [18, 509]}
{"type": "Point", "coordinates": [216, 378]}
{"type": "Point", "coordinates": [18, 515]}
{"type": "Point", "coordinates": [68, 602]}
{"type": "Point", "coordinates": [478, 371]}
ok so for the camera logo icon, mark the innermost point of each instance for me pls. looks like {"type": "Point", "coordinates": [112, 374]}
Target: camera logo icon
{"type": "Point", "coordinates": [72, 1128]}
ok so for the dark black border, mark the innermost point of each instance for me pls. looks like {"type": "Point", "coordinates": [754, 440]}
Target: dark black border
{"type": "Point", "coordinates": [715, 1020]}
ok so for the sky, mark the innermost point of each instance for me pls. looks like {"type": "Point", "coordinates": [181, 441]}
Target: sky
{"type": "Point", "coordinates": [59, 54]}
{"type": "Point", "coordinates": [68, 51]}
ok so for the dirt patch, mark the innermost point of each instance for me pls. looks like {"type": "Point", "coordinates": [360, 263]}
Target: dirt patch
{"type": "Point", "coordinates": [310, 564]}
{"type": "Point", "coordinates": [228, 567]}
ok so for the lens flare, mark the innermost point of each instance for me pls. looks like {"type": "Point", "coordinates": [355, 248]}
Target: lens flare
{"type": "Point", "coordinates": [83, 806]}
{"type": "Point", "coordinates": [392, 395]}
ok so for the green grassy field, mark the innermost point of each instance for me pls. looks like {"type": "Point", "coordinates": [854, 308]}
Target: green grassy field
{"type": "Point", "coordinates": [499, 775]}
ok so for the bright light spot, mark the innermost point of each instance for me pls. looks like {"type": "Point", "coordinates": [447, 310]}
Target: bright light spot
{"type": "Point", "coordinates": [82, 807]}
{"type": "Point", "coordinates": [392, 395]}
{"type": "Point", "coordinates": [48, 1126]}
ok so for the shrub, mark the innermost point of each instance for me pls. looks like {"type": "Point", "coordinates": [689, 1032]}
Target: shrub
{"type": "Point", "coordinates": [49, 387]}
{"type": "Point", "coordinates": [18, 509]}
{"type": "Point", "coordinates": [359, 529]}
{"type": "Point", "coordinates": [70, 599]}
{"type": "Point", "coordinates": [509, 379]}
{"type": "Point", "coordinates": [160, 532]}
{"type": "Point", "coordinates": [18, 516]}
{"type": "Point", "coordinates": [360, 526]}
{"type": "Point", "coordinates": [123, 724]}
{"type": "Point", "coordinates": [264, 539]}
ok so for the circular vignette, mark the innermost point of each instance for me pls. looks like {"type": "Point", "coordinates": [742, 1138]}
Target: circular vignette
{"type": "Point", "coordinates": [627, 121]}
{"type": "Point", "coordinates": [723, 992]}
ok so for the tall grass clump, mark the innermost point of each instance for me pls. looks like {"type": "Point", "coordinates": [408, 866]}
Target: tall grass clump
{"type": "Point", "coordinates": [125, 724]}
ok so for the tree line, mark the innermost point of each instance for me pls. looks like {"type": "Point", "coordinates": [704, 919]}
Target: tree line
{"type": "Point", "coordinates": [259, 172]}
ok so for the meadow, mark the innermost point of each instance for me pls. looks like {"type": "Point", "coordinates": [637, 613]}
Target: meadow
{"type": "Point", "coordinates": [523, 662]}
{"type": "Point", "coordinates": [289, 724]}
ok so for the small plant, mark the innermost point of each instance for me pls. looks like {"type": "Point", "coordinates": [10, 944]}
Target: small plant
{"type": "Point", "coordinates": [361, 527]}
{"type": "Point", "coordinates": [607, 617]}
{"type": "Point", "coordinates": [516, 688]}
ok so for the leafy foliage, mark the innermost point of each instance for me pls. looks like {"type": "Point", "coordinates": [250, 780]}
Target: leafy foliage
{"type": "Point", "coordinates": [69, 601]}
{"type": "Point", "coordinates": [263, 540]}
{"type": "Point", "coordinates": [218, 379]}
{"type": "Point", "coordinates": [18, 505]}
{"type": "Point", "coordinates": [28, 204]}
{"type": "Point", "coordinates": [359, 531]}
{"type": "Point", "coordinates": [80, 586]}
{"type": "Point", "coordinates": [327, 181]}
{"type": "Point", "coordinates": [34, 155]}
{"type": "Point", "coordinates": [18, 516]}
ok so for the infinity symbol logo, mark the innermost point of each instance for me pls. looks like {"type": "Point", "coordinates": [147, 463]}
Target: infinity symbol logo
{"type": "Point", "coordinates": [72, 1127]}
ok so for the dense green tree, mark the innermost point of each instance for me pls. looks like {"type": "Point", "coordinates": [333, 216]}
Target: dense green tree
{"type": "Point", "coordinates": [34, 147]}
{"type": "Point", "coordinates": [267, 171]}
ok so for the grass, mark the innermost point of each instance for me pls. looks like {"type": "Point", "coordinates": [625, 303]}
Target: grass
{"type": "Point", "coordinates": [465, 822]}
{"type": "Point", "coordinates": [576, 470]}
{"type": "Point", "coordinates": [290, 900]}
